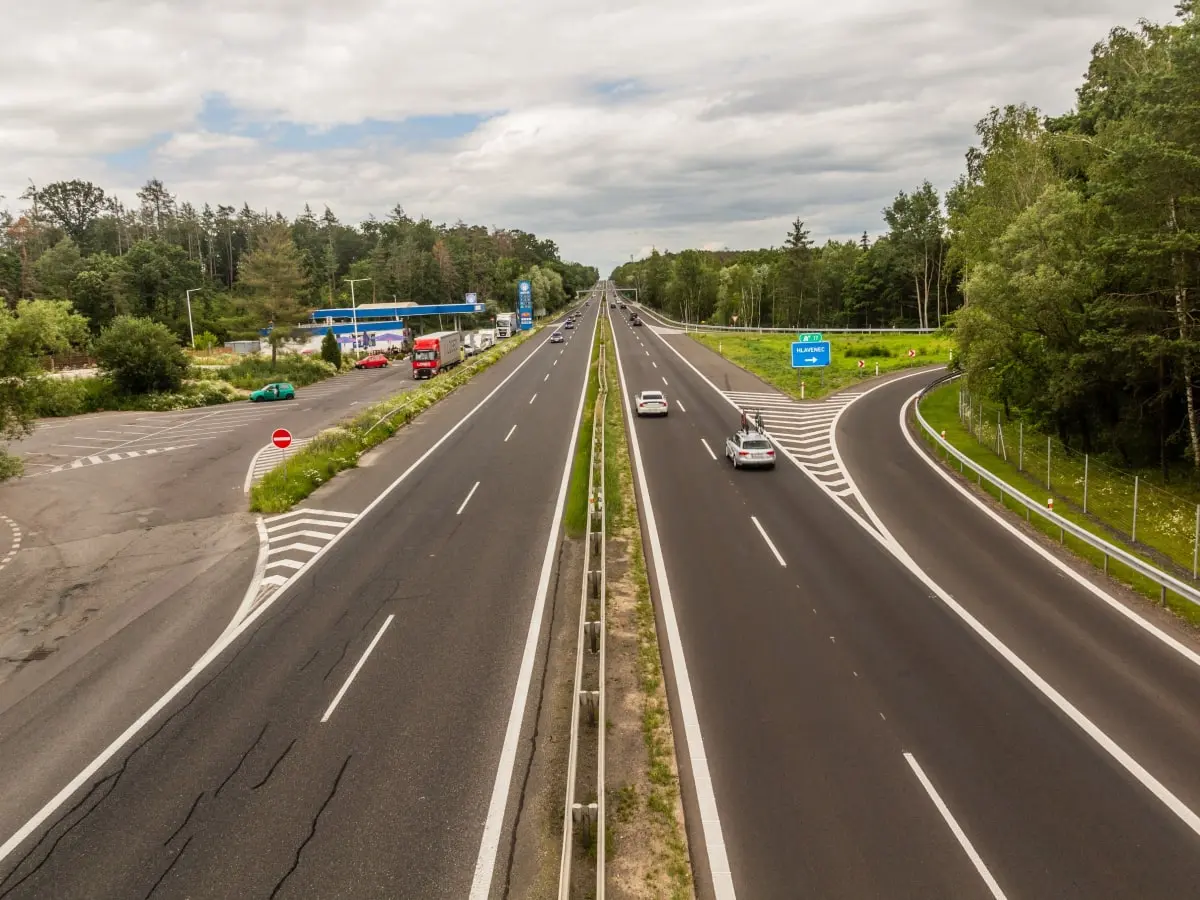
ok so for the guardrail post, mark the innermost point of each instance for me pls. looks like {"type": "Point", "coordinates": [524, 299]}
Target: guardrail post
{"type": "Point", "coordinates": [591, 631]}
{"type": "Point", "coordinates": [590, 702]}
{"type": "Point", "coordinates": [584, 817]}
{"type": "Point", "coordinates": [1047, 462]}
{"type": "Point", "coordinates": [1133, 532]}
{"type": "Point", "coordinates": [1085, 482]}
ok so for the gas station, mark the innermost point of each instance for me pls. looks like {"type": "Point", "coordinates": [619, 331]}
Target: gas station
{"type": "Point", "coordinates": [383, 323]}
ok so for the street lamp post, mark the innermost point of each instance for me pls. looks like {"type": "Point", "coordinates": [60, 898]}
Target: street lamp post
{"type": "Point", "coordinates": [354, 307]}
{"type": "Point", "coordinates": [191, 328]}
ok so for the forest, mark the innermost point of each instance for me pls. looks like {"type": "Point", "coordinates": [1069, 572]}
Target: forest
{"type": "Point", "coordinates": [74, 241]}
{"type": "Point", "coordinates": [1065, 259]}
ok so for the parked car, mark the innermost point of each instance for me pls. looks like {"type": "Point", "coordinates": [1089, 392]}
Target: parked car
{"type": "Point", "coordinates": [281, 390]}
{"type": "Point", "coordinates": [374, 361]}
{"type": "Point", "coordinates": [651, 403]}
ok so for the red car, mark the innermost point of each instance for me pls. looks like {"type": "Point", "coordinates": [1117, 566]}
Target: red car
{"type": "Point", "coordinates": [374, 361]}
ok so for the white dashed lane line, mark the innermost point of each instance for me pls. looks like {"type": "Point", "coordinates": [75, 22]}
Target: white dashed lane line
{"type": "Point", "coordinates": [14, 544]}
{"type": "Point", "coordinates": [98, 458]}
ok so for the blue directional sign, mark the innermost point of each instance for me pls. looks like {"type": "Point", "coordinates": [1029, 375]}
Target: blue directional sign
{"type": "Point", "coordinates": [525, 304]}
{"type": "Point", "coordinates": [810, 355]}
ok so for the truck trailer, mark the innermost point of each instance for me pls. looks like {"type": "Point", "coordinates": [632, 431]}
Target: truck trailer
{"type": "Point", "coordinates": [507, 324]}
{"type": "Point", "coordinates": [432, 353]}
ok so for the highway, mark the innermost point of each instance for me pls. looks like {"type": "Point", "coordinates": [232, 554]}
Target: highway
{"type": "Point", "coordinates": [363, 734]}
{"type": "Point", "coordinates": [862, 738]}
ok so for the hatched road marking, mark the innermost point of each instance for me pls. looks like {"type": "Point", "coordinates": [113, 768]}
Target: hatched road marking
{"type": "Point", "coordinates": [16, 541]}
{"type": "Point", "coordinates": [293, 539]}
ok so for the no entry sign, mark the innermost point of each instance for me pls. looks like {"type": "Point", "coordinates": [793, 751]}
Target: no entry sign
{"type": "Point", "coordinates": [281, 438]}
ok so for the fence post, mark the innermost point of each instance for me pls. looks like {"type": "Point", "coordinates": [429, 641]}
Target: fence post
{"type": "Point", "coordinates": [1085, 482]}
{"type": "Point", "coordinates": [1133, 535]}
{"type": "Point", "coordinates": [997, 432]}
{"type": "Point", "coordinates": [1196, 543]}
{"type": "Point", "coordinates": [1021, 446]}
{"type": "Point", "coordinates": [1047, 462]}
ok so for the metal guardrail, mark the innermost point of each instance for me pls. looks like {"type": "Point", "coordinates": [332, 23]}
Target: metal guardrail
{"type": "Point", "coordinates": [1164, 580]}
{"type": "Point", "coordinates": [584, 821]}
{"type": "Point", "coordinates": [746, 329]}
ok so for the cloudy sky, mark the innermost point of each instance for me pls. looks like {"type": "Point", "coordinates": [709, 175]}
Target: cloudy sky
{"type": "Point", "coordinates": [608, 125]}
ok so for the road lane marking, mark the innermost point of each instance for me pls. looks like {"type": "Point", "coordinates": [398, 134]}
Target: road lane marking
{"type": "Point", "coordinates": [665, 380]}
{"type": "Point", "coordinates": [547, 378]}
{"type": "Point", "coordinates": [510, 433]}
{"type": "Point", "coordinates": [555, 362]}
{"type": "Point", "coordinates": [770, 543]}
{"type": "Point", "coordinates": [354, 672]}
{"type": "Point", "coordinates": [531, 399]}
{"type": "Point", "coordinates": [647, 352]}
{"type": "Point", "coordinates": [489, 843]}
{"type": "Point", "coordinates": [653, 363]}
{"type": "Point", "coordinates": [470, 494]}
{"type": "Point", "coordinates": [708, 448]}
{"type": "Point", "coordinates": [959, 834]}
{"type": "Point", "coordinates": [706, 800]}
{"type": "Point", "coordinates": [680, 405]}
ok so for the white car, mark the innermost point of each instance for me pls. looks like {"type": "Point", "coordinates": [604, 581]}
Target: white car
{"type": "Point", "coordinates": [749, 448]}
{"type": "Point", "coordinates": [651, 403]}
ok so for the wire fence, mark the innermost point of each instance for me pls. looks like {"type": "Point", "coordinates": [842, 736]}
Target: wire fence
{"type": "Point", "coordinates": [1132, 508]}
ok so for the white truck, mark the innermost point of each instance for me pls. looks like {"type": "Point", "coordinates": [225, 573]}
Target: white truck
{"type": "Point", "coordinates": [507, 324]}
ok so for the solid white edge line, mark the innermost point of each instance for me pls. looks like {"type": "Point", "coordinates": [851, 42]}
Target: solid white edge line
{"type": "Point", "coordinates": [230, 635]}
{"type": "Point", "coordinates": [706, 800]}
{"type": "Point", "coordinates": [357, 666]}
{"type": "Point", "coordinates": [470, 494]}
{"type": "Point", "coordinates": [959, 834]}
{"type": "Point", "coordinates": [888, 542]}
{"type": "Point", "coordinates": [1097, 591]}
{"type": "Point", "coordinates": [770, 543]}
{"type": "Point", "coordinates": [260, 569]}
{"type": "Point", "coordinates": [489, 843]}
{"type": "Point", "coordinates": [708, 448]}
{"type": "Point", "coordinates": [510, 433]}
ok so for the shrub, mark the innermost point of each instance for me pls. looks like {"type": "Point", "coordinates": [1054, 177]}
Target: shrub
{"type": "Point", "coordinates": [867, 350]}
{"type": "Point", "coordinates": [252, 372]}
{"type": "Point", "coordinates": [331, 351]}
{"type": "Point", "coordinates": [141, 356]}
{"type": "Point", "coordinates": [10, 466]}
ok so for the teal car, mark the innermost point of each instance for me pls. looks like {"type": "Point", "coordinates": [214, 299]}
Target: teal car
{"type": "Point", "coordinates": [278, 391]}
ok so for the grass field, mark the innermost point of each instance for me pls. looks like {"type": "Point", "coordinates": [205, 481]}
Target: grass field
{"type": "Point", "coordinates": [1110, 507]}
{"type": "Point", "coordinates": [769, 356]}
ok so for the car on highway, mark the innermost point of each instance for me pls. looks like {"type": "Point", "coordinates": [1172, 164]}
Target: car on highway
{"type": "Point", "coordinates": [634, 320]}
{"type": "Point", "coordinates": [749, 448]}
{"type": "Point", "coordinates": [612, 306]}
{"type": "Point", "coordinates": [569, 324]}
{"type": "Point", "coordinates": [651, 403]}
{"type": "Point", "coordinates": [622, 305]}
{"type": "Point", "coordinates": [557, 338]}
{"type": "Point", "coordinates": [280, 390]}
{"type": "Point", "coordinates": [374, 361]}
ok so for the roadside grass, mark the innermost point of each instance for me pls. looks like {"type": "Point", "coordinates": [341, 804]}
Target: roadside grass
{"type": "Point", "coordinates": [575, 515]}
{"type": "Point", "coordinates": [769, 356]}
{"type": "Point", "coordinates": [338, 448]}
{"type": "Point", "coordinates": [55, 397]}
{"type": "Point", "coordinates": [662, 802]}
{"type": "Point", "coordinates": [940, 409]}
{"type": "Point", "coordinates": [252, 372]}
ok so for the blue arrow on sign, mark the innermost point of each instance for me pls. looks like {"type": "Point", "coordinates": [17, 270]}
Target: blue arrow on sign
{"type": "Point", "coordinates": [810, 354]}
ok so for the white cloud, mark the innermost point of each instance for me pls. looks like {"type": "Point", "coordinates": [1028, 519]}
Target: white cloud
{"type": "Point", "coordinates": [735, 119]}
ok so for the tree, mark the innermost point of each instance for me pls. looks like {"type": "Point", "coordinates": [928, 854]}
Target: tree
{"type": "Point", "coordinates": [73, 205]}
{"type": "Point", "coordinates": [141, 356]}
{"type": "Point", "coordinates": [57, 268]}
{"type": "Point", "coordinates": [331, 350]}
{"type": "Point", "coordinates": [273, 275]}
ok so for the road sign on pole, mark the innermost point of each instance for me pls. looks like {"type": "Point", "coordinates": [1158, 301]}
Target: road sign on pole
{"type": "Point", "coordinates": [525, 304]}
{"type": "Point", "coordinates": [912, 353]}
{"type": "Point", "coordinates": [862, 363]}
{"type": "Point", "coordinates": [810, 355]}
{"type": "Point", "coordinates": [810, 337]}
{"type": "Point", "coordinates": [281, 438]}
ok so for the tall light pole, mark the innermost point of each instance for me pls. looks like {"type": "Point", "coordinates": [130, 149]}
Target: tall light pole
{"type": "Point", "coordinates": [354, 307]}
{"type": "Point", "coordinates": [191, 329]}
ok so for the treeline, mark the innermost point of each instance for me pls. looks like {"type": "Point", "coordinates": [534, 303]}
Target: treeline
{"type": "Point", "coordinates": [906, 277]}
{"type": "Point", "coordinates": [1068, 254]}
{"type": "Point", "coordinates": [73, 241]}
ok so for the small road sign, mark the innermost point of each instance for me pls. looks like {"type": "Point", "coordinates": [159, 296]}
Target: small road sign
{"type": "Point", "coordinates": [912, 353]}
{"type": "Point", "coordinates": [862, 363]}
{"type": "Point", "coordinates": [812, 355]}
{"type": "Point", "coordinates": [810, 337]}
{"type": "Point", "coordinates": [281, 438]}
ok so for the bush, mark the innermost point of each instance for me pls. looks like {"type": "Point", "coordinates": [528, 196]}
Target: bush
{"type": "Point", "coordinates": [331, 351]}
{"type": "Point", "coordinates": [252, 372]}
{"type": "Point", "coordinates": [73, 397]}
{"type": "Point", "coordinates": [10, 466]}
{"type": "Point", "coordinates": [141, 356]}
{"type": "Point", "coordinates": [867, 350]}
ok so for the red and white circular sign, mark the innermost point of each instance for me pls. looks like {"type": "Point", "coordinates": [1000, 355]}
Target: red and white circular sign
{"type": "Point", "coordinates": [281, 438]}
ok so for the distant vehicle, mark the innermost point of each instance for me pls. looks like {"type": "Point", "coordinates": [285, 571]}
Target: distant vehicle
{"type": "Point", "coordinates": [622, 305]}
{"type": "Point", "coordinates": [651, 403]}
{"type": "Point", "coordinates": [634, 320]}
{"type": "Point", "coordinates": [374, 361]}
{"type": "Point", "coordinates": [557, 338]}
{"type": "Point", "coordinates": [434, 353]}
{"type": "Point", "coordinates": [507, 324]}
{"type": "Point", "coordinates": [569, 324]}
{"type": "Point", "coordinates": [485, 338]}
{"type": "Point", "coordinates": [612, 306]}
{"type": "Point", "coordinates": [749, 449]}
{"type": "Point", "coordinates": [281, 390]}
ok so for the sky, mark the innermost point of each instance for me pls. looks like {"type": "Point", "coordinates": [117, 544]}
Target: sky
{"type": "Point", "coordinates": [610, 127]}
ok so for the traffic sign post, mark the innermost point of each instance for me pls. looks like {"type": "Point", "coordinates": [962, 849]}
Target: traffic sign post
{"type": "Point", "coordinates": [525, 304]}
{"type": "Point", "coordinates": [810, 337]}
{"type": "Point", "coordinates": [810, 354]}
{"type": "Point", "coordinates": [282, 438]}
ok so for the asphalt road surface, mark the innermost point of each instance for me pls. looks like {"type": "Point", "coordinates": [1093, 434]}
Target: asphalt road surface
{"type": "Point", "coordinates": [348, 742]}
{"type": "Point", "coordinates": [861, 738]}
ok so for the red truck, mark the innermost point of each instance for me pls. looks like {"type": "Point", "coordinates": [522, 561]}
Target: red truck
{"type": "Point", "coordinates": [435, 352]}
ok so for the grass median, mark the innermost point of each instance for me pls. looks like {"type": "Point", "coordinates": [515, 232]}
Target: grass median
{"type": "Point", "coordinates": [338, 448]}
{"type": "Point", "coordinates": [575, 515]}
{"type": "Point", "coordinates": [940, 409]}
{"type": "Point", "coordinates": [769, 356]}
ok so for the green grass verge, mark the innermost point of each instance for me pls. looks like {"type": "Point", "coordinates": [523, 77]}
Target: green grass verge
{"type": "Point", "coordinates": [663, 797]}
{"type": "Point", "coordinates": [252, 372]}
{"type": "Point", "coordinates": [60, 397]}
{"type": "Point", "coordinates": [769, 356]}
{"type": "Point", "coordinates": [338, 448]}
{"type": "Point", "coordinates": [575, 515]}
{"type": "Point", "coordinates": [940, 409]}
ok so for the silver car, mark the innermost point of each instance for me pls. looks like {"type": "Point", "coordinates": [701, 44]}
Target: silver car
{"type": "Point", "coordinates": [749, 449]}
